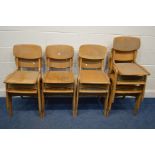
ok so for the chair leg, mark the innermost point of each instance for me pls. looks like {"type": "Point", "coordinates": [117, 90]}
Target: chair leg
{"type": "Point", "coordinates": [77, 100]}
{"type": "Point", "coordinates": [39, 101]}
{"type": "Point", "coordinates": [110, 102]}
{"type": "Point", "coordinates": [138, 103]}
{"type": "Point", "coordinates": [9, 104]}
{"type": "Point", "coordinates": [106, 105]}
{"type": "Point", "coordinates": [74, 102]}
{"type": "Point", "coordinates": [43, 103]}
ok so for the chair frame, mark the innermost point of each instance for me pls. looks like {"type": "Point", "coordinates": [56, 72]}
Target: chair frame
{"type": "Point", "coordinates": [125, 51]}
{"type": "Point", "coordinates": [26, 56]}
{"type": "Point", "coordinates": [59, 57]}
{"type": "Point", "coordinates": [93, 62]}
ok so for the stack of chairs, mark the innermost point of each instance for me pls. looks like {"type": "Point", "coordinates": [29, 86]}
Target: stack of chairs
{"type": "Point", "coordinates": [59, 77]}
{"type": "Point", "coordinates": [92, 80]}
{"type": "Point", "coordinates": [127, 77]}
{"type": "Point", "coordinates": [25, 80]}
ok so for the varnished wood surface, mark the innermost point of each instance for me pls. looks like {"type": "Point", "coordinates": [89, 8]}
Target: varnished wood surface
{"type": "Point", "coordinates": [58, 77]}
{"type": "Point", "coordinates": [125, 43]}
{"type": "Point", "coordinates": [27, 51]}
{"type": "Point", "coordinates": [22, 77]}
{"type": "Point", "coordinates": [130, 69]}
{"type": "Point", "coordinates": [93, 77]}
{"type": "Point", "coordinates": [91, 51]}
{"type": "Point", "coordinates": [59, 51]}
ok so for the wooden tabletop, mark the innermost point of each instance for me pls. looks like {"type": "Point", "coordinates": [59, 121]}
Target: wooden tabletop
{"type": "Point", "coordinates": [93, 77]}
{"type": "Point", "coordinates": [131, 69]}
{"type": "Point", "coordinates": [22, 77]}
{"type": "Point", "coordinates": [58, 77]}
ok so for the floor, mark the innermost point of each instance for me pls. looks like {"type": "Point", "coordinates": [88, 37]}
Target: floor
{"type": "Point", "coordinates": [90, 114]}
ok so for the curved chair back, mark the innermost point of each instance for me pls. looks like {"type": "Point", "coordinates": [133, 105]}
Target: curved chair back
{"type": "Point", "coordinates": [125, 49]}
{"type": "Point", "coordinates": [92, 56]}
{"type": "Point", "coordinates": [59, 56]}
{"type": "Point", "coordinates": [28, 56]}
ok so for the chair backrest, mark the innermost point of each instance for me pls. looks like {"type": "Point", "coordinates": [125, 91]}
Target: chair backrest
{"type": "Point", "coordinates": [125, 49]}
{"type": "Point", "coordinates": [92, 57]}
{"type": "Point", "coordinates": [59, 57]}
{"type": "Point", "coordinates": [28, 56]}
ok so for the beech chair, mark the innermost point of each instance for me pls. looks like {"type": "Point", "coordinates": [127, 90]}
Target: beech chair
{"type": "Point", "coordinates": [59, 78]}
{"type": "Point", "coordinates": [92, 80]}
{"type": "Point", "coordinates": [25, 80]}
{"type": "Point", "coordinates": [127, 77]}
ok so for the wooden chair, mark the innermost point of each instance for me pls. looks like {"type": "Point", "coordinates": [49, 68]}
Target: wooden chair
{"type": "Point", "coordinates": [127, 77]}
{"type": "Point", "coordinates": [25, 80]}
{"type": "Point", "coordinates": [59, 78]}
{"type": "Point", "coordinates": [92, 80]}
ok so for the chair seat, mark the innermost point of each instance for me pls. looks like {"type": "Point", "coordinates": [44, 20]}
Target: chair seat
{"type": "Point", "coordinates": [130, 69]}
{"type": "Point", "coordinates": [93, 77]}
{"type": "Point", "coordinates": [57, 77]}
{"type": "Point", "coordinates": [22, 77]}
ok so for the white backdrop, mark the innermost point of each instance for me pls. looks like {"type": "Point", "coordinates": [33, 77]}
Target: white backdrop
{"type": "Point", "coordinates": [76, 36]}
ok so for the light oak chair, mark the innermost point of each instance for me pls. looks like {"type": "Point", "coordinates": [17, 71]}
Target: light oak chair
{"type": "Point", "coordinates": [127, 77]}
{"type": "Point", "coordinates": [25, 80]}
{"type": "Point", "coordinates": [59, 78]}
{"type": "Point", "coordinates": [92, 80]}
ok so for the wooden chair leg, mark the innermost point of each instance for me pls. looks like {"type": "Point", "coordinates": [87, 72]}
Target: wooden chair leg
{"type": "Point", "coordinates": [106, 105]}
{"type": "Point", "coordinates": [43, 103]}
{"type": "Point", "coordinates": [43, 100]}
{"type": "Point", "coordinates": [39, 101]}
{"type": "Point", "coordinates": [77, 100]}
{"type": "Point", "coordinates": [9, 104]}
{"type": "Point", "coordinates": [138, 103]}
{"type": "Point", "coordinates": [74, 102]}
{"type": "Point", "coordinates": [110, 102]}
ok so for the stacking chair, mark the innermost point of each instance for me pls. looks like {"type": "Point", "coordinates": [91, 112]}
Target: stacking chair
{"type": "Point", "coordinates": [92, 80]}
{"type": "Point", "coordinates": [127, 77]}
{"type": "Point", "coordinates": [59, 78]}
{"type": "Point", "coordinates": [25, 80]}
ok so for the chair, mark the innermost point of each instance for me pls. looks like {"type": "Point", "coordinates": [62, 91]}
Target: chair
{"type": "Point", "coordinates": [59, 78]}
{"type": "Point", "coordinates": [25, 80]}
{"type": "Point", "coordinates": [127, 77]}
{"type": "Point", "coordinates": [92, 80]}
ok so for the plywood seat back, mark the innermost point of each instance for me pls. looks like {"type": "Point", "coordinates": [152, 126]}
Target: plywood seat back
{"type": "Point", "coordinates": [125, 49]}
{"type": "Point", "coordinates": [59, 57]}
{"type": "Point", "coordinates": [28, 56]}
{"type": "Point", "coordinates": [92, 56]}
{"type": "Point", "coordinates": [91, 63]}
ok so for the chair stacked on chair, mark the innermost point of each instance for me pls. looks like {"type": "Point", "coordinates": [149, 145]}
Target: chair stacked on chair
{"type": "Point", "coordinates": [127, 77]}
{"type": "Point", "coordinates": [59, 78]}
{"type": "Point", "coordinates": [22, 81]}
{"type": "Point", "coordinates": [92, 79]}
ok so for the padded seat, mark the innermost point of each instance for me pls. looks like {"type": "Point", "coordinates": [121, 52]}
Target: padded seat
{"type": "Point", "coordinates": [22, 77]}
{"type": "Point", "coordinates": [93, 77]}
{"type": "Point", "coordinates": [55, 77]}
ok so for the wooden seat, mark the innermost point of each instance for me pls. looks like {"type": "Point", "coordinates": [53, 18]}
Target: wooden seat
{"type": "Point", "coordinates": [93, 77]}
{"type": "Point", "coordinates": [127, 77]}
{"type": "Point", "coordinates": [92, 80]}
{"type": "Point", "coordinates": [130, 69]}
{"type": "Point", "coordinates": [22, 77]}
{"type": "Point", "coordinates": [25, 80]}
{"type": "Point", "coordinates": [59, 78]}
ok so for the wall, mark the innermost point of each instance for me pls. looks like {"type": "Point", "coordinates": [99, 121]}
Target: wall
{"type": "Point", "coordinates": [75, 36]}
